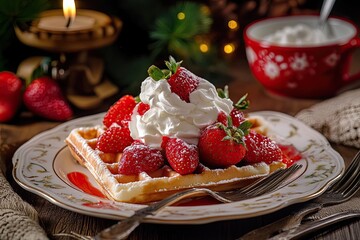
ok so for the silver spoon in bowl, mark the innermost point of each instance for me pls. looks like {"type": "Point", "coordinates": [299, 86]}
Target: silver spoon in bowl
{"type": "Point", "coordinates": [324, 15]}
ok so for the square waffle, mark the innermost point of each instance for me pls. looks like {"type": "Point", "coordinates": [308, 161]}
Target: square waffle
{"type": "Point", "coordinates": [148, 187]}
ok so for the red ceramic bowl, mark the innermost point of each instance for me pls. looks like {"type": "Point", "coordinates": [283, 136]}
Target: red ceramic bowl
{"type": "Point", "coordinates": [311, 70]}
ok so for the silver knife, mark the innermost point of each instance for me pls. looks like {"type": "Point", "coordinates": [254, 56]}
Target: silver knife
{"type": "Point", "coordinates": [313, 226]}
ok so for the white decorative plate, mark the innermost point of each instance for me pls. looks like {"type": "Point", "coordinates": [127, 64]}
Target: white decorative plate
{"type": "Point", "coordinates": [41, 166]}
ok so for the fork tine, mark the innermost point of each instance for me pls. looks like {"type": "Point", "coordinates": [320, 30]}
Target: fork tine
{"type": "Point", "coordinates": [265, 181]}
{"type": "Point", "coordinates": [265, 185]}
{"type": "Point", "coordinates": [348, 177]}
{"type": "Point", "coordinates": [354, 188]}
{"type": "Point", "coordinates": [272, 185]}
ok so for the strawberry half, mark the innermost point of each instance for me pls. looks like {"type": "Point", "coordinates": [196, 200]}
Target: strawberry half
{"type": "Point", "coordinates": [120, 112]}
{"type": "Point", "coordinates": [182, 157]}
{"type": "Point", "coordinates": [43, 97]}
{"type": "Point", "coordinates": [114, 140]}
{"type": "Point", "coordinates": [138, 158]}
{"type": "Point", "coordinates": [222, 146]}
{"type": "Point", "coordinates": [261, 148]}
{"type": "Point", "coordinates": [182, 82]}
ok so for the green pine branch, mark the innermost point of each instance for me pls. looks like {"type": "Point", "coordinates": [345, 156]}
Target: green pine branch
{"type": "Point", "coordinates": [18, 12]}
{"type": "Point", "coordinates": [176, 35]}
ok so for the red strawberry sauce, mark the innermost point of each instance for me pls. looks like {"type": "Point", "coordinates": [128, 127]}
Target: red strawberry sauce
{"type": "Point", "coordinates": [82, 181]}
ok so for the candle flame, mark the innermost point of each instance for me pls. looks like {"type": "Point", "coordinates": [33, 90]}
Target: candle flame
{"type": "Point", "coordinates": [69, 10]}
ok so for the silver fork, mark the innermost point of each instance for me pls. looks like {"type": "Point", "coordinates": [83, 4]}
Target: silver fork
{"type": "Point", "coordinates": [344, 188]}
{"type": "Point", "coordinates": [124, 228]}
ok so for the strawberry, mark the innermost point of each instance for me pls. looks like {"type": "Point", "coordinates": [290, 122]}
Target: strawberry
{"type": "Point", "coordinates": [7, 110]}
{"type": "Point", "coordinates": [138, 158]}
{"type": "Point", "coordinates": [261, 148]}
{"type": "Point", "coordinates": [222, 146]}
{"type": "Point", "coordinates": [120, 112]}
{"type": "Point", "coordinates": [114, 140]}
{"type": "Point", "coordinates": [10, 97]}
{"type": "Point", "coordinates": [44, 98]}
{"type": "Point", "coordinates": [182, 82]}
{"type": "Point", "coordinates": [290, 154]}
{"type": "Point", "coordinates": [142, 108]}
{"type": "Point", "coordinates": [237, 117]}
{"type": "Point", "coordinates": [182, 157]}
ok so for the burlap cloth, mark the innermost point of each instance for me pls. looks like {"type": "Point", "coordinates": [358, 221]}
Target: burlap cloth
{"type": "Point", "coordinates": [338, 118]}
{"type": "Point", "coordinates": [18, 219]}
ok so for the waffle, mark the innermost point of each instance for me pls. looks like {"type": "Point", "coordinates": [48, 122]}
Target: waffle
{"type": "Point", "coordinates": [148, 187]}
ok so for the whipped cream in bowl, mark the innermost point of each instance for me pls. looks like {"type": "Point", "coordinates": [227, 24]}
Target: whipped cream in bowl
{"type": "Point", "coordinates": [299, 34]}
{"type": "Point", "coordinates": [170, 116]}
{"type": "Point", "coordinates": [299, 31]}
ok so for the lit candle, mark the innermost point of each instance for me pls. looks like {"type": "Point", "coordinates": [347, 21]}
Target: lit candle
{"type": "Point", "coordinates": [69, 10]}
{"type": "Point", "coordinates": [68, 21]}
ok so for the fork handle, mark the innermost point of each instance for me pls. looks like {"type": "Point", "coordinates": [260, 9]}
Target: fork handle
{"type": "Point", "coordinates": [121, 230]}
{"type": "Point", "coordinates": [292, 220]}
{"type": "Point", "coordinates": [124, 228]}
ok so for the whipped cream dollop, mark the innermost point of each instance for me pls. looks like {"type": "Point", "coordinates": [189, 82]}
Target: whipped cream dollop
{"type": "Point", "coordinates": [299, 34]}
{"type": "Point", "coordinates": [170, 116]}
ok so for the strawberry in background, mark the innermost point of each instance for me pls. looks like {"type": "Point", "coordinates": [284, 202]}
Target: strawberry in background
{"type": "Point", "coordinates": [44, 98]}
{"type": "Point", "coordinates": [10, 97]}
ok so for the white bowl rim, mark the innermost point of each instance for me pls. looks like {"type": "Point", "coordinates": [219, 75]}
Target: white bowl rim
{"type": "Point", "coordinates": [334, 19]}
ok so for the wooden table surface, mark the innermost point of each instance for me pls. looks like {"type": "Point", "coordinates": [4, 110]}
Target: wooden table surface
{"type": "Point", "coordinates": [55, 219]}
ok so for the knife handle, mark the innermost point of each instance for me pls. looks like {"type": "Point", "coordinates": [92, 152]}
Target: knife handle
{"type": "Point", "coordinates": [313, 226]}
{"type": "Point", "coordinates": [292, 220]}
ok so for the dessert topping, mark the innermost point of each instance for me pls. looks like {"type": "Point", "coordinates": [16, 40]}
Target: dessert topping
{"type": "Point", "coordinates": [182, 82]}
{"type": "Point", "coordinates": [114, 139]}
{"type": "Point", "coordinates": [222, 146]}
{"type": "Point", "coordinates": [182, 157]}
{"type": "Point", "coordinates": [138, 158]}
{"type": "Point", "coordinates": [261, 148]}
{"type": "Point", "coordinates": [120, 112]}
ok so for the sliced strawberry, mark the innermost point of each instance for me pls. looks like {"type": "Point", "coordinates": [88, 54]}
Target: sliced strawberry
{"type": "Point", "coordinates": [114, 140]}
{"type": "Point", "coordinates": [181, 81]}
{"type": "Point", "coordinates": [182, 157]}
{"type": "Point", "coordinates": [221, 146]}
{"type": "Point", "coordinates": [142, 108]}
{"type": "Point", "coordinates": [261, 148]}
{"type": "Point", "coordinates": [138, 158]}
{"type": "Point", "coordinates": [120, 112]}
